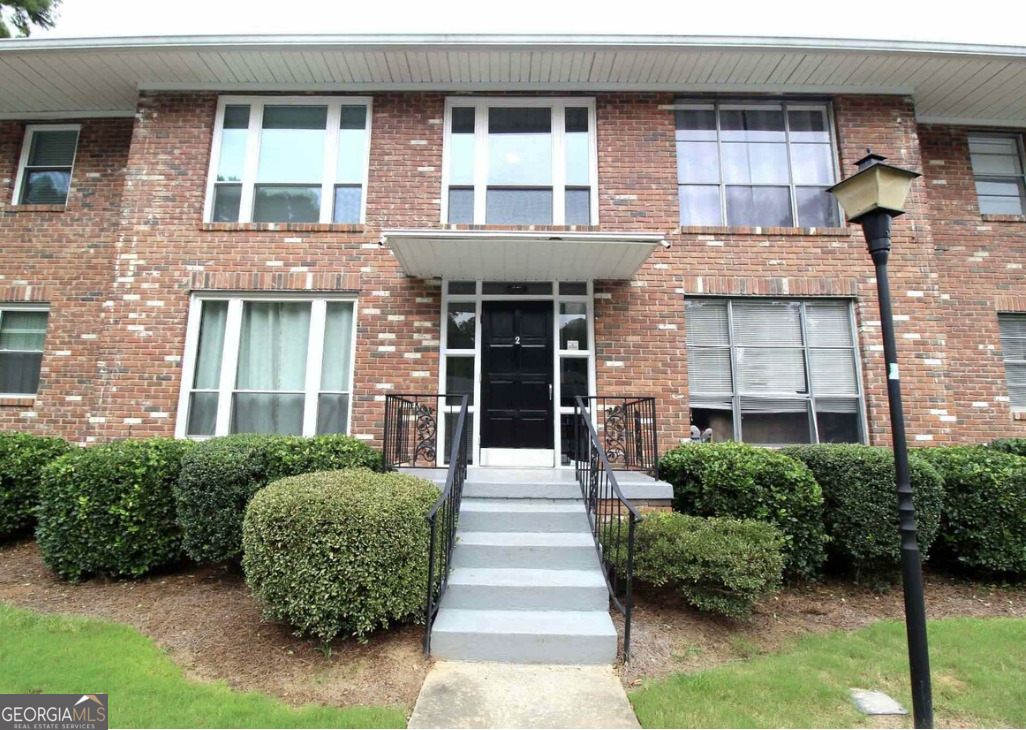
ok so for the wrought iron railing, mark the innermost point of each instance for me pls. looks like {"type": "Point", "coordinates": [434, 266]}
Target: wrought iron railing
{"type": "Point", "coordinates": [413, 424]}
{"type": "Point", "coordinates": [443, 518]}
{"type": "Point", "coordinates": [626, 427]}
{"type": "Point", "coordinates": [611, 515]}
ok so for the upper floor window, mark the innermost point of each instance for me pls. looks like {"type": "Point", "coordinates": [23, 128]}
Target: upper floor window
{"type": "Point", "coordinates": [998, 171]}
{"type": "Point", "coordinates": [289, 160]}
{"type": "Point", "coordinates": [47, 158]}
{"type": "Point", "coordinates": [517, 161]}
{"type": "Point", "coordinates": [22, 332]}
{"type": "Point", "coordinates": [755, 165]}
{"type": "Point", "coordinates": [773, 372]}
{"type": "Point", "coordinates": [1013, 344]}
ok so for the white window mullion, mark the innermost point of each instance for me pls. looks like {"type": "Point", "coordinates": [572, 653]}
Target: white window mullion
{"type": "Point", "coordinates": [215, 160]}
{"type": "Point", "coordinates": [256, 120]}
{"type": "Point", "coordinates": [229, 364]}
{"type": "Point", "coordinates": [558, 164]}
{"type": "Point", "coordinates": [188, 366]}
{"type": "Point", "coordinates": [480, 162]}
{"type": "Point", "coordinates": [314, 360]}
{"type": "Point", "coordinates": [330, 163]}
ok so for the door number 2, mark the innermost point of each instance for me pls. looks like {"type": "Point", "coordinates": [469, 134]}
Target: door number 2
{"type": "Point", "coordinates": [516, 340]}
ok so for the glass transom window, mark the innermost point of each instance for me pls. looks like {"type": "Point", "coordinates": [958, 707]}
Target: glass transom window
{"type": "Point", "coordinates": [47, 159]}
{"type": "Point", "coordinates": [998, 173]}
{"type": "Point", "coordinates": [773, 372]}
{"type": "Point", "coordinates": [520, 161]}
{"type": "Point", "coordinates": [22, 332]}
{"type": "Point", "coordinates": [755, 165]}
{"type": "Point", "coordinates": [267, 366]}
{"type": "Point", "coordinates": [289, 160]}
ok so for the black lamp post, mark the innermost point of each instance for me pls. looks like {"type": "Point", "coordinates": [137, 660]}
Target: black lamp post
{"type": "Point", "coordinates": [872, 197]}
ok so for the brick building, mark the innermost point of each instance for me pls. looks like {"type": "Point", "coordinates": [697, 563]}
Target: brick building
{"type": "Point", "coordinates": [201, 236]}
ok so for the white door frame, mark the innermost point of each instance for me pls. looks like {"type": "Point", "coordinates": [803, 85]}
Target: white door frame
{"type": "Point", "coordinates": [534, 458]}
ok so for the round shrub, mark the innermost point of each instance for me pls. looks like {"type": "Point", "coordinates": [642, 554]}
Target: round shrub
{"type": "Point", "coordinates": [732, 479]}
{"type": "Point", "coordinates": [860, 503]}
{"type": "Point", "coordinates": [110, 510]}
{"type": "Point", "coordinates": [720, 565]}
{"type": "Point", "coordinates": [341, 552]}
{"type": "Point", "coordinates": [983, 525]}
{"type": "Point", "coordinates": [22, 458]}
{"type": "Point", "coordinates": [1009, 446]}
{"type": "Point", "coordinates": [220, 476]}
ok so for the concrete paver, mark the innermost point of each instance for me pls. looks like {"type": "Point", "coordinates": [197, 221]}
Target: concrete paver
{"type": "Point", "coordinates": [496, 695]}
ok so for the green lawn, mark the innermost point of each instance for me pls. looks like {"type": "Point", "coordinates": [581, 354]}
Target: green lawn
{"type": "Point", "coordinates": [979, 678]}
{"type": "Point", "coordinates": [65, 654]}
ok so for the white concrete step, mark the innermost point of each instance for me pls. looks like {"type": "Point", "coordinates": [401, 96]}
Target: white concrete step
{"type": "Point", "coordinates": [542, 637]}
{"type": "Point", "coordinates": [543, 489]}
{"type": "Point", "coordinates": [523, 515]}
{"type": "Point", "coordinates": [541, 550]}
{"type": "Point", "coordinates": [524, 589]}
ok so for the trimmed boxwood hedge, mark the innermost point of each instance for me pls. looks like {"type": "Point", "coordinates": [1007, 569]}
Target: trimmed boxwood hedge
{"type": "Point", "coordinates": [860, 504]}
{"type": "Point", "coordinates": [109, 509]}
{"type": "Point", "coordinates": [733, 479]}
{"type": "Point", "coordinates": [719, 565]}
{"type": "Point", "coordinates": [220, 476]}
{"type": "Point", "coordinates": [1009, 446]}
{"type": "Point", "coordinates": [341, 552]}
{"type": "Point", "coordinates": [983, 526]}
{"type": "Point", "coordinates": [22, 458]}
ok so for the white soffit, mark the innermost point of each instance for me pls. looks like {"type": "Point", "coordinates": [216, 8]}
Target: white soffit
{"type": "Point", "coordinates": [950, 83]}
{"type": "Point", "coordinates": [520, 255]}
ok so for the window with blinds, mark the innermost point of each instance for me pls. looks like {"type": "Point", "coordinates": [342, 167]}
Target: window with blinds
{"type": "Point", "coordinates": [1013, 344]}
{"type": "Point", "coordinates": [44, 175]}
{"type": "Point", "coordinates": [998, 173]}
{"type": "Point", "coordinates": [22, 332]}
{"type": "Point", "coordinates": [772, 371]}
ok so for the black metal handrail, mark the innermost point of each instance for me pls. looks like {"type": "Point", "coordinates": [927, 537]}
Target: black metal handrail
{"type": "Point", "coordinates": [627, 430]}
{"type": "Point", "coordinates": [443, 517]}
{"type": "Point", "coordinates": [608, 513]}
{"type": "Point", "coordinates": [412, 423]}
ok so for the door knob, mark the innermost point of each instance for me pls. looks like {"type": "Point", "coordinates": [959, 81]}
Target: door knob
{"type": "Point", "coordinates": [550, 391]}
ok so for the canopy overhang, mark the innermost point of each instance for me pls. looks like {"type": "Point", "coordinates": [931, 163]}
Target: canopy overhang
{"type": "Point", "coordinates": [520, 255]}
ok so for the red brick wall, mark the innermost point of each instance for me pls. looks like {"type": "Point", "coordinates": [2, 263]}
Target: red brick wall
{"type": "Point", "coordinates": [61, 255]}
{"type": "Point", "coordinates": [980, 266]}
{"type": "Point", "coordinates": [122, 267]}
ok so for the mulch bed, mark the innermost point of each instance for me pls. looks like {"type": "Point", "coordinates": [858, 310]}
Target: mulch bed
{"type": "Point", "coordinates": [209, 624]}
{"type": "Point", "coordinates": [667, 637]}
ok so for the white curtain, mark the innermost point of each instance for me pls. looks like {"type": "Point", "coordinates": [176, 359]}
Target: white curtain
{"type": "Point", "coordinates": [272, 359]}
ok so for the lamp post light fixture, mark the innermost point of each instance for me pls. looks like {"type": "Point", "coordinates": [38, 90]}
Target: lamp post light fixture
{"type": "Point", "coordinates": [872, 197]}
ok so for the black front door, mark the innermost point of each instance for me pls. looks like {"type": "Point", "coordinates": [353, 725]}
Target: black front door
{"type": "Point", "coordinates": [516, 375]}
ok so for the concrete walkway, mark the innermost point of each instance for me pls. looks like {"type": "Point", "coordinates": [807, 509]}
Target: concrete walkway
{"type": "Point", "coordinates": [493, 695]}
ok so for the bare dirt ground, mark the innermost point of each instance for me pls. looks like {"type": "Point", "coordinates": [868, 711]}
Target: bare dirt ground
{"type": "Point", "coordinates": [209, 624]}
{"type": "Point", "coordinates": [667, 637]}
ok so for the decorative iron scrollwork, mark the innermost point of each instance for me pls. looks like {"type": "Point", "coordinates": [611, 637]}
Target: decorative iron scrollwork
{"type": "Point", "coordinates": [427, 433]}
{"type": "Point", "coordinates": [614, 433]}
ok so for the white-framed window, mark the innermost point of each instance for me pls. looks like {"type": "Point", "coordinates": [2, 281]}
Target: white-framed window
{"type": "Point", "coordinates": [998, 173]}
{"type": "Point", "coordinates": [47, 159]}
{"type": "Point", "coordinates": [267, 364]}
{"type": "Point", "coordinates": [774, 372]}
{"type": "Point", "coordinates": [756, 164]}
{"type": "Point", "coordinates": [289, 159]}
{"type": "Point", "coordinates": [22, 335]}
{"type": "Point", "coordinates": [1013, 347]}
{"type": "Point", "coordinates": [520, 161]}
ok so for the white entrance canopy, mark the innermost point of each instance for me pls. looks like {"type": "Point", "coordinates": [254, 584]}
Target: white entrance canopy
{"type": "Point", "coordinates": [520, 255]}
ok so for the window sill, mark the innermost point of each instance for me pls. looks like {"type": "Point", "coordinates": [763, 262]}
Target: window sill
{"type": "Point", "coordinates": [763, 231]}
{"type": "Point", "coordinates": [1019, 415]}
{"type": "Point", "coordinates": [1001, 218]}
{"type": "Point", "coordinates": [17, 401]}
{"type": "Point", "coordinates": [34, 208]}
{"type": "Point", "coordinates": [286, 227]}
